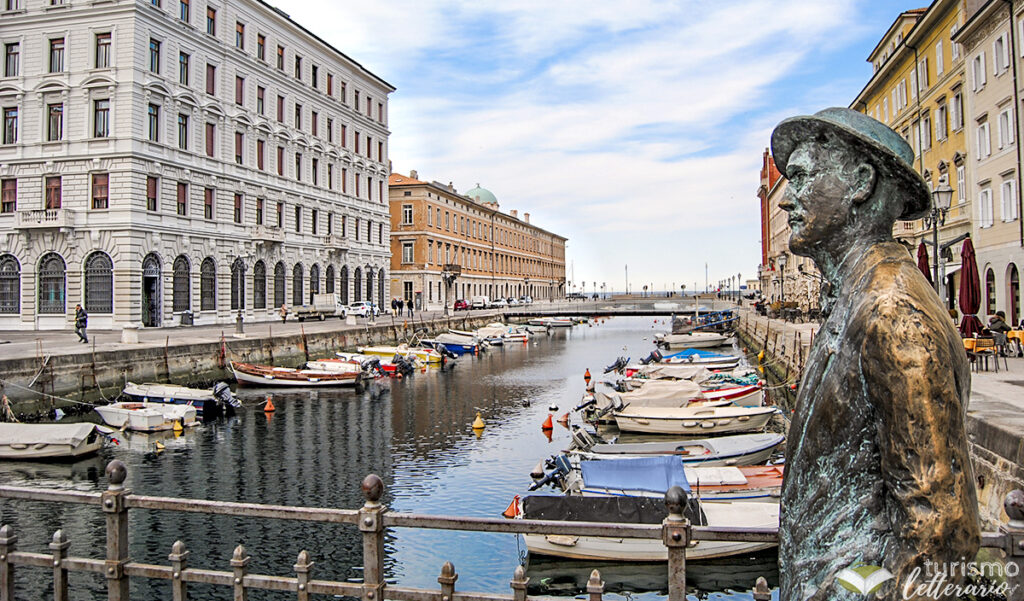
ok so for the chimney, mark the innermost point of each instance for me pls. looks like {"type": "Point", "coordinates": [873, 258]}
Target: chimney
{"type": "Point", "coordinates": [414, 175]}
{"type": "Point", "coordinates": [526, 217]}
{"type": "Point", "coordinates": [514, 213]}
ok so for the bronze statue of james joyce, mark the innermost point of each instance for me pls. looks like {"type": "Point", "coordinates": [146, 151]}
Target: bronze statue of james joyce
{"type": "Point", "coordinates": [878, 472]}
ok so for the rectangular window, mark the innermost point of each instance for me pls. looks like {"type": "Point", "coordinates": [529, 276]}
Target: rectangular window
{"type": "Point", "coordinates": [183, 131]}
{"type": "Point", "coordinates": [211, 21]}
{"type": "Point", "coordinates": [10, 125]}
{"type": "Point", "coordinates": [1000, 55]}
{"type": "Point", "coordinates": [355, 103]}
{"type": "Point", "coordinates": [100, 191]}
{"type": "Point", "coordinates": [315, 171]}
{"type": "Point", "coordinates": [261, 93]}
{"type": "Point", "coordinates": [239, 36]}
{"type": "Point", "coordinates": [12, 54]}
{"type": "Point", "coordinates": [152, 185]}
{"type": "Point", "coordinates": [978, 73]}
{"type": "Point", "coordinates": [238, 207]}
{"type": "Point", "coordinates": [357, 185]}
{"type": "Point", "coordinates": [369, 145]}
{"type": "Point", "coordinates": [239, 90]}
{"type": "Point", "coordinates": [259, 211]}
{"type": "Point", "coordinates": [447, 223]}
{"type": "Point", "coordinates": [330, 129]}
{"type": "Point", "coordinates": [380, 112]}
{"type": "Point", "coordinates": [344, 226]}
{"type": "Point", "coordinates": [280, 160]}
{"type": "Point", "coordinates": [211, 136]}
{"type": "Point", "coordinates": [314, 216]}
{"type": "Point", "coordinates": [941, 123]}
{"type": "Point", "coordinates": [961, 184]}
{"type": "Point", "coordinates": [926, 133]}
{"type": "Point", "coordinates": [53, 195]}
{"type": "Point", "coordinates": [330, 223]}
{"type": "Point", "coordinates": [54, 122]}
{"type": "Point", "coordinates": [985, 208]}
{"type": "Point", "coordinates": [956, 112]}
{"type": "Point", "coordinates": [56, 55]}
{"type": "Point", "coordinates": [280, 108]}
{"type": "Point", "coordinates": [280, 57]}
{"type": "Point", "coordinates": [369, 107]}
{"type": "Point", "coordinates": [154, 56]}
{"type": "Point", "coordinates": [314, 76]}
{"type": "Point", "coordinates": [344, 180]}
{"type": "Point", "coordinates": [356, 139]}
{"type": "Point", "coordinates": [313, 118]}
{"type": "Point", "coordinates": [1005, 128]}
{"type": "Point", "coordinates": [280, 215]}
{"type": "Point", "coordinates": [260, 151]}
{"type": "Point", "coordinates": [261, 46]}
{"type": "Point", "coordinates": [101, 118]}
{"type": "Point", "coordinates": [984, 144]}
{"type": "Point", "coordinates": [922, 73]}
{"type": "Point", "coordinates": [1008, 196]}
{"type": "Point", "coordinates": [430, 214]}
{"type": "Point", "coordinates": [298, 166]}
{"type": "Point", "coordinates": [185, 10]}
{"type": "Point", "coordinates": [330, 85]}
{"type": "Point", "coordinates": [380, 152]}
{"type": "Point", "coordinates": [344, 95]}
{"type": "Point", "coordinates": [406, 214]}
{"type": "Point", "coordinates": [954, 48]}
{"type": "Point", "coordinates": [298, 116]}
{"type": "Point", "coordinates": [208, 194]}
{"type": "Point", "coordinates": [239, 147]}
{"type": "Point", "coordinates": [298, 219]}
{"type": "Point", "coordinates": [298, 67]}
{"type": "Point", "coordinates": [183, 68]}
{"type": "Point", "coordinates": [344, 135]}
{"type": "Point", "coordinates": [211, 79]}
{"type": "Point", "coordinates": [330, 176]}
{"type": "Point", "coordinates": [939, 59]}
{"type": "Point", "coordinates": [407, 252]}
{"type": "Point", "coordinates": [9, 196]}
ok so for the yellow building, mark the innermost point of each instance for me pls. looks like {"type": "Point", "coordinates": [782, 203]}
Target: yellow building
{"type": "Point", "coordinates": [917, 89]}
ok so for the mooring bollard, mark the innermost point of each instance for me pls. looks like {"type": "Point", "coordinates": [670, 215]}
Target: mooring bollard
{"type": "Point", "coordinates": [675, 534]}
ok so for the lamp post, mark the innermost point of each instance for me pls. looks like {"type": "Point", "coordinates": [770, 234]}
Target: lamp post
{"type": "Point", "coordinates": [942, 196]}
{"type": "Point", "coordinates": [782, 274]}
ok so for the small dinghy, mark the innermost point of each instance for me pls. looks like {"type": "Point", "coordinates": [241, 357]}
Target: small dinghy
{"type": "Point", "coordinates": [266, 375]}
{"type": "Point", "coordinates": [147, 417]}
{"type": "Point", "coordinates": [737, 449]}
{"type": "Point", "coordinates": [49, 441]}
{"type": "Point", "coordinates": [696, 356]}
{"type": "Point", "coordinates": [685, 420]}
{"type": "Point", "coordinates": [691, 340]}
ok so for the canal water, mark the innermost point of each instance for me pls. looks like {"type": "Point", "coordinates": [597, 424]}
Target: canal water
{"type": "Point", "coordinates": [315, 450]}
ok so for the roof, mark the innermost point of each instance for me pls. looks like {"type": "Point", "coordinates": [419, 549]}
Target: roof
{"type": "Point", "coordinates": [397, 179]}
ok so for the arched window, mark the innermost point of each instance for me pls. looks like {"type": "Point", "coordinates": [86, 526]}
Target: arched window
{"type": "Point", "coordinates": [238, 284]}
{"type": "Point", "coordinates": [259, 285]}
{"type": "Point", "coordinates": [344, 284]}
{"type": "Point", "coordinates": [10, 284]}
{"type": "Point", "coordinates": [279, 283]}
{"type": "Point", "coordinates": [329, 280]}
{"type": "Point", "coordinates": [369, 284]}
{"type": "Point", "coordinates": [990, 292]}
{"type": "Point", "coordinates": [314, 282]}
{"type": "Point", "coordinates": [380, 288]}
{"type": "Point", "coordinates": [297, 284]}
{"type": "Point", "coordinates": [1014, 282]}
{"type": "Point", "coordinates": [99, 283]}
{"type": "Point", "coordinates": [357, 279]}
{"type": "Point", "coordinates": [52, 283]}
{"type": "Point", "coordinates": [182, 287]}
{"type": "Point", "coordinates": [208, 285]}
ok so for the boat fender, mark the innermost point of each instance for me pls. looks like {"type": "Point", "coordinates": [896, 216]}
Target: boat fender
{"type": "Point", "coordinates": [538, 471]}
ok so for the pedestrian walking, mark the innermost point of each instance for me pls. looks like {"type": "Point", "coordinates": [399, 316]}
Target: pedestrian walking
{"type": "Point", "coordinates": [394, 306]}
{"type": "Point", "coordinates": [81, 323]}
{"type": "Point", "coordinates": [284, 312]}
{"type": "Point", "coordinates": [409, 304]}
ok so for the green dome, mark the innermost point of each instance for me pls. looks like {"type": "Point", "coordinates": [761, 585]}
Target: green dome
{"type": "Point", "coordinates": [482, 195]}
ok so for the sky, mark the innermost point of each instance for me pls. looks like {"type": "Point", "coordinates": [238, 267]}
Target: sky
{"type": "Point", "coordinates": [634, 129]}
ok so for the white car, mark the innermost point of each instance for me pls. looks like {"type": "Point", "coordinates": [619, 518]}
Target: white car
{"type": "Point", "coordinates": [498, 303]}
{"type": "Point", "coordinates": [363, 309]}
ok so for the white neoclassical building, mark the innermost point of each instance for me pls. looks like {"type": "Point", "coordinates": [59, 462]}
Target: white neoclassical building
{"type": "Point", "coordinates": [161, 158]}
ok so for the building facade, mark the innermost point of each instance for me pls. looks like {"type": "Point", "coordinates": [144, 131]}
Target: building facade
{"type": "Point", "coordinates": [168, 160]}
{"type": "Point", "coordinates": [447, 246]}
{"type": "Point", "coordinates": [991, 40]}
{"type": "Point", "coordinates": [917, 89]}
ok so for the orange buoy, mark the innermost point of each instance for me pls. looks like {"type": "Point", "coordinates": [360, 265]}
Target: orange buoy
{"type": "Point", "coordinates": [564, 420]}
{"type": "Point", "coordinates": [478, 423]}
{"type": "Point", "coordinates": [547, 425]}
{"type": "Point", "coordinates": [513, 508]}
{"type": "Point", "coordinates": [268, 407]}
{"type": "Point", "coordinates": [586, 376]}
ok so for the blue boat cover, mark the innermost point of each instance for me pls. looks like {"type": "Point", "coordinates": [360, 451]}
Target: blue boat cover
{"type": "Point", "coordinates": [696, 352]}
{"type": "Point", "coordinates": [651, 474]}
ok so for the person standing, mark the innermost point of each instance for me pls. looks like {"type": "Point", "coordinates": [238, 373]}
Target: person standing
{"type": "Point", "coordinates": [284, 312]}
{"type": "Point", "coordinates": [81, 323]}
{"type": "Point", "coordinates": [400, 306]}
{"type": "Point", "coordinates": [409, 305]}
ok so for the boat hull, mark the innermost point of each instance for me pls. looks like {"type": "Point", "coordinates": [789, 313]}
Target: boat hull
{"type": "Point", "coordinates": [261, 375]}
{"type": "Point", "coordinates": [147, 417]}
{"type": "Point", "coordinates": [22, 447]}
{"type": "Point", "coordinates": [662, 423]}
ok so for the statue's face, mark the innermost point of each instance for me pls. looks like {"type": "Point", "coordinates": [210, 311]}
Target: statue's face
{"type": "Point", "coordinates": [816, 197]}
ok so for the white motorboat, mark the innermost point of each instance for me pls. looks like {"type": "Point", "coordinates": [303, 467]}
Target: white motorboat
{"type": "Point", "coordinates": [210, 402]}
{"type": "Point", "coordinates": [147, 417]}
{"type": "Point", "coordinates": [736, 449]}
{"type": "Point", "coordinates": [698, 420]}
{"type": "Point", "coordinates": [652, 476]}
{"type": "Point", "coordinates": [336, 365]}
{"type": "Point", "coordinates": [639, 510]}
{"type": "Point", "coordinates": [691, 340]}
{"type": "Point", "coordinates": [48, 441]}
{"type": "Point", "coordinates": [427, 356]}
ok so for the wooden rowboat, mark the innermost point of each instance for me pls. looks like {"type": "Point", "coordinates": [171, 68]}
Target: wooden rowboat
{"type": "Point", "coordinates": [266, 375]}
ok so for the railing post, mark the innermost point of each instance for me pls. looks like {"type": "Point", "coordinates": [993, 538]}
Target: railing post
{"type": "Point", "coordinates": [675, 533]}
{"type": "Point", "coordinates": [595, 586]}
{"type": "Point", "coordinates": [117, 531]}
{"type": "Point", "coordinates": [372, 527]}
{"type": "Point", "coordinates": [8, 542]}
{"type": "Point", "coordinates": [302, 567]}
{"type": "Point", "coordinates": [239, 563]}
{"type": "Point", "coordinates": [447, 581]}
{"type": "Point", "coordinates": [519, 583]}
{"type": "Point", "coordinates": [59, 546]}
{"type": "Point", "coordinates": [179, 562]}
{"type": "Point", "coordinates": [761, 590]}
{"type": "Point", "coordinates": [1014, 530]}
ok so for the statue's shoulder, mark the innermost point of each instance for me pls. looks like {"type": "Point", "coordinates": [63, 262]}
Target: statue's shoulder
{"type": "Point", "coordinates": [890, 288]}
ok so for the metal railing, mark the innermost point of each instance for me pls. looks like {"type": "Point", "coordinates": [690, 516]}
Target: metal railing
{"type": "Point", "coordinates": [372, 520]}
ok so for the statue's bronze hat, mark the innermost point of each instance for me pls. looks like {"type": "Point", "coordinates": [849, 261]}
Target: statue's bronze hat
{"type": "Point", "coordinates": [889, 152]}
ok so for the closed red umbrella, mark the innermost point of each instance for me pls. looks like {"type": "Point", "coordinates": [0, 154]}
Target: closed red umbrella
{"type": "Point", "coordinates": [970, 291]}
{"type": "Point", "coordinates": [922, 263]}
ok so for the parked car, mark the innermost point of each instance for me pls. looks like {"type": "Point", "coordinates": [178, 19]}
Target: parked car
{"type": "Point", "coordinates": [322, 307]}
{"type": "Point", "coordinates": [461, 305]}
{"type": "Point", "coordinates": [498, 303]}
{"type": "Point", "coordinates": [525, 300]}
{"type": "Point", "coordinates": [363, 309]}
{"type": "Point", "coordinates": [512, 301]}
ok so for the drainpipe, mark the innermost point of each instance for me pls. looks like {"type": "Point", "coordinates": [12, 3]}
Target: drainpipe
{"type": "Point", "coordinates": [1016, 121]}
{"type": "Point", "coordinates": [917, 98]}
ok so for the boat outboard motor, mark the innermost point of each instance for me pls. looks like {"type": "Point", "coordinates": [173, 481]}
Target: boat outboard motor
{"type": "Point", "coordinates": [619, 364]}
{"type": "Point", "coordinates": [562, 468]}
{"type": "Point", "coordinates": [222, 392]}
{"type": "Point", "coordinates": [371, 365]}
{"type": "Point", "coordinates": [654, 357]}
{"type": "Point", "coordinates": [403, 365]}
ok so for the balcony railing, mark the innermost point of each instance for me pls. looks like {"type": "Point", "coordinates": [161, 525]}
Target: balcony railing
{"type": "Point", "coordinates": [335, 242]}
{"type": "Point", "coordinates": [46, 218]}
{"type": "Point", "coordinates": [263, 233]}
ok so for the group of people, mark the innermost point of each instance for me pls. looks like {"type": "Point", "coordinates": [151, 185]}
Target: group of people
{"type": "Point", "coordinates": [397, 304]}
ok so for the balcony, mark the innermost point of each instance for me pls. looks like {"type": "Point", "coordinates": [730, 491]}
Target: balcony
{"type": "Point", "coordinates": [40, 219]}
{"type": "Point", "coordinates": [453, 268]}
{"type": "Point", "coordinates": [335, 242]}
{"type": "Point", "coordinates": [265, 234]}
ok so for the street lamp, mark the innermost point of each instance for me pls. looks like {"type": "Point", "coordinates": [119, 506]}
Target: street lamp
{"type": "Point", "coordinates": [942, 197]}
{"type": "Point", "coordinates": [449, 273]}
{"type": "Point", "coordinates": [782, 274]}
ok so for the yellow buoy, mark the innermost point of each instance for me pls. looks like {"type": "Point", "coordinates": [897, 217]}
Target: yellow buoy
{"type": "Point", "coordinates": [159, 446]}
{"type": "Point", "coordinates": [178, 427]}
{"type": "Point", "coordinates": [760, 356]}
{"type": "Point", "coordinates": [478, 423]}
